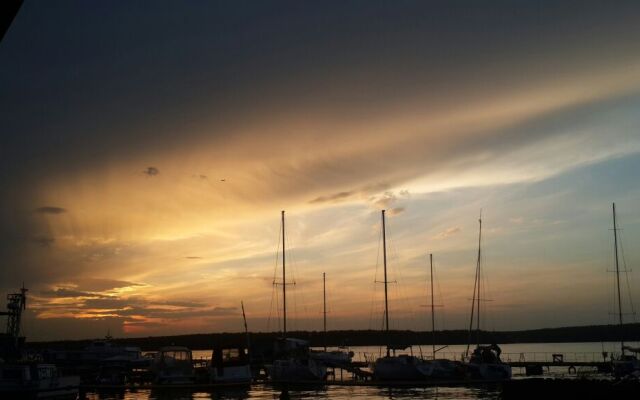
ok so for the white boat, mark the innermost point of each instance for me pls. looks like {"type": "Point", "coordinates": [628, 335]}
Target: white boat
{"type": "Point", "coordinates": [332, 358]}
{"type": "Point", "coordinates": [97, 353]}
{"type": "Point", "coordinates": [30, 380]}
{"type": "Point", "coordinates": [292, 360]}
{"type": "Point", "coordinates": [229, 365]}
{"type": "Point", "coordinates": [294, 363]}
{"type": "Point", "coordinates": [401, 367]}
{"type": "Point", "coordinates": [296, 369]}
{"type": "Point", "coordinates": [173, 365]}
{"type": "Point", "coordinates": [484, 363]}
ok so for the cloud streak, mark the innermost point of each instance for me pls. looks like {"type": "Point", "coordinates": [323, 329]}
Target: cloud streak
{"type": "Point", "coordinates": [50, 210]}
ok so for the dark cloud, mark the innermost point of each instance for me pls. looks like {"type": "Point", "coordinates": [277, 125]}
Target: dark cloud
{"type": "Point", "coordinates": [64, 292]}
{"type": "Point", "coordinates": [110, 303]}
{"type": "Point", "coordinates": [50, 210]}
{"type": "Point", "coordinates": [193, 257]}
{"type": "Point", "coordinates": [101, 285]}
{"type": "Point", "coordinates": [396, 211]}
{"type": "Point", "coordinates": [135, 307]}
{"type": "Point", "coordinates": [385, 200]}
{"type": "Point", "coordinates": [151, 171]}
{"type": "Point", "coordinates": [333, 198]}
{"type": "Point", "coordinates": [185, 303]}
{"type": "Point", "coordinates": [363, 191]}
{"type": "Point", "coordinates": [44, 241]}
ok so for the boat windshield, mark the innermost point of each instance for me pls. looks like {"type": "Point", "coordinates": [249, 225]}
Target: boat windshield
{"type": "Point", "coordinates": [177, 355]}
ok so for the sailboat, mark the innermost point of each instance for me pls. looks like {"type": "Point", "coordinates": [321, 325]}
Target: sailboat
{"type": "Point", "coordinates": [439, 368]}
{"type": "Point", "coordinates": [484, 363]}
{"type": "Point", "coordinates": [232, 364]}
{"type": "Point", "coordinates": [627, 364]}
{"type": "Point", "coordinates": [402, 367]}
{"type": "Point", "coordinates": [292, 361]}
{"type": "Point", "coordinates": [333, 358]}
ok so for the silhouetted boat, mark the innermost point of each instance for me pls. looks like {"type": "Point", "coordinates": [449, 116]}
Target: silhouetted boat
{"type": "Point", "coordinates": [333, 358]}
{"type": "Point", "coordinates": [625, 364]}
{"type": "Point", "coordinates": [442, 369]}
{"type": "Point", "coordinates": [22, 378]}
{"type": "Point", "coordinates": [230, 365]}
{"type": "Point", "coordinates": [484, 363]}
{"type": "Point", "coordinates": [34, 380]}
{"type": "Point", "coordinates": [394, 367]}
{"type": "Point", "coordinates": [292, 359]}
{"type": "Point", "coordinates": [173, 365]}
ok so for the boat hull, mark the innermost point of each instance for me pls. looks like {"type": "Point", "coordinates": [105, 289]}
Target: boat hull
{"type": "Point", "coordinates": [297, 370]}
{"type": "Point", "coordinates": [401, 368]}
{"type": "Point", "coordinates": [488, 371]}
{"type": "Point", "coordinates": [66, 387]}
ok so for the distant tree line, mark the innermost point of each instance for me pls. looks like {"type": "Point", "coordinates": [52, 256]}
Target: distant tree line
{"type": "Point", "coordinates": [203, 341]}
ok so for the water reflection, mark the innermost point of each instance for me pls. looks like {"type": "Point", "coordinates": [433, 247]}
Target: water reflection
{"type": "Point", "coordinates": [437, 393]}
{"type": "Point", "coordinates": [269, 392]}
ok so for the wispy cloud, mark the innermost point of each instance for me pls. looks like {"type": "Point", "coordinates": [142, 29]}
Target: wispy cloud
{"type": "Point", "coordinates": [396, 211]}
{"type": "Point", "coordinates": [448, 232]}
{"type": "Point", "coordinates": [71, 293]}
{"type": "Point", "coordinates": [50, 210]}
{"type": "Point", "coordinates": [333, 198]}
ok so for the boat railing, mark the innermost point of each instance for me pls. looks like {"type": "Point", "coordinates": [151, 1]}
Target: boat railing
{"type": "Point", "coordinates": [547, 357]}
{"type": "Point", "coordinates": [554, 357]}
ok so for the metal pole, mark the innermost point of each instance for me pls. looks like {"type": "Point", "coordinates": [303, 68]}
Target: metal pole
{"type": "Point", "coordinates": [615, 245]}
{"type": "Point", "coordinates": [284, 280]}
{"type": "Point", "coordinates": [479, 280]}
{"type": "Point", "coordinates": [386, 297]}
{"type": "Point", "coordinates": [324, 302]}
{"type": "Point", "coordinates": [433, 317]}
{"type": "Point", "coordinates": [246, 329]}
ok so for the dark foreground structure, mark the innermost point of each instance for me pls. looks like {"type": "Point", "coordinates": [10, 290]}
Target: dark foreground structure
{"type": "Point", "coordinates": [541, 388]}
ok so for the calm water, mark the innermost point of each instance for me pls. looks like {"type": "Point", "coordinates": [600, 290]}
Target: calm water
{"type": "Point", "coordinates": [514, 352]}
{"type": "Point", "coordinates": [330, 392]}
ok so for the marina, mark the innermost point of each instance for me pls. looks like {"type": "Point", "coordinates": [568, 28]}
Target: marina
{"type": "Point", "coordinates": [290, 364]}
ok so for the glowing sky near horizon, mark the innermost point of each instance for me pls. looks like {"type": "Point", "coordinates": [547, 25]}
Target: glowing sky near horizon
{"type": "Point", "coordinates": [147, 150]}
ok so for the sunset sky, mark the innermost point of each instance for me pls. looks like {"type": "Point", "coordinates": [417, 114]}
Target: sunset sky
{"type": "Point", "coordinates": [147, 149]}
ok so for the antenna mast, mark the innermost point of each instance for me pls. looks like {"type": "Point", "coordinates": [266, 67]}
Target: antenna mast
{"type": "Point", "coordinates": [16, 303]}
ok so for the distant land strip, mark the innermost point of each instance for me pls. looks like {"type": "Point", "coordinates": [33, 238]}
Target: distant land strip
{"type": "Point", "coordinates": [204, 341]}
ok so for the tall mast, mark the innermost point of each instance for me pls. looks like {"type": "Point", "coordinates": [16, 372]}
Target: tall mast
{"type": "Point", "coordinates": [324, 312]}
{"type": "Point", "coordinates": [284, 280]}
{"type": "Point", "coordinates": [476, 289]}
{"type": "Point", "coordinates": [386, 298]}
{"type": "Point", "coordinates": [615, 245]}
{"type": "Point", "coordinates": [479, 277]}
{"type": "Point", "coordinates": [246, 328]}
{"type": "Point", "coordinates": [433, 317]}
